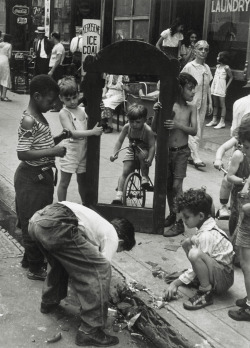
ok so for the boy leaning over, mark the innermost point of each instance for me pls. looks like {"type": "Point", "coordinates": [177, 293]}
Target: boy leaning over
{"type": "Point", "coordinates": [184, 123]}
{"type": "Point", "coordinates": [209, 251]}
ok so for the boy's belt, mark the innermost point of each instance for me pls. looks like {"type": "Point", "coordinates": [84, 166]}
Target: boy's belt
{"type": "Point", "coordinates": [177, 148]}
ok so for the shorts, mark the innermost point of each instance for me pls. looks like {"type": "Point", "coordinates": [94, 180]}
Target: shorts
{"type": "Point", "coordinates": [75, 159]}
{"type": "Point", "coordinates": [129, 156]}
{"type": "Point", "coordinates": [222, 277]}
{"type": "Point", "coordinates": [177, 165]}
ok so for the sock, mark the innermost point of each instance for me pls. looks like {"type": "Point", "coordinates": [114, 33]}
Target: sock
{"type": "Point", "coordinates": [119, 195]}
{"type": "Point", "coordinates": [205, 288]}
{"type": "Point", "coordinates": [248, 303]}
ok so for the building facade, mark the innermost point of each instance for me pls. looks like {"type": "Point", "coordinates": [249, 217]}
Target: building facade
{"type": "Point", "coordinates": [225, 24]}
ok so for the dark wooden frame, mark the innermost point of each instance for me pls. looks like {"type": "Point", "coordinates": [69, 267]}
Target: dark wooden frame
{"type": "Point", "coordinates": [130, 57]}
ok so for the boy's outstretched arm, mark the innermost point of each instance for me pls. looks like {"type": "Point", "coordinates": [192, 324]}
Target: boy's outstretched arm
{"type": "Point", "coordinates": [151, 151]}
{"type": "Point", "coordinates": [237, 158]}
{"type": "Point", "coordinates": [157, 106]}
{"type": "Point", "coordinates": [120, 140]}
{"type": "Point", "coordinates": [221, 151]}
{"type": "Point", "coordinates": [171, 292]}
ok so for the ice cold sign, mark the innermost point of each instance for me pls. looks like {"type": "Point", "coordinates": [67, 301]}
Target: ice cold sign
{"type": "Point", "coordinates": [230, 5]}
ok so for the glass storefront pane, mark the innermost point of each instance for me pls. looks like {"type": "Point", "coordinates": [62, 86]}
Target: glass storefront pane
{"type": "Point", "coordinates": [62, 19]}
{"type": "Point", "coordinates": [122, 30]}
{"type": "Point", "coordinates": [141, 7]}
{"type": "Point", "coordinates": [228, 31]}
{"type": "Point", "coordinates": [140, 30]}
{"type": "Point", "coordinates": [123, 8]}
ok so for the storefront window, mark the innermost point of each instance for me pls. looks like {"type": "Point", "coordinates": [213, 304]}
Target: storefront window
{"type": "Point", "coordinates": [62, 19]}
{"type": "Point", "coordinates": [228, 31]}
{"type": "Point", "coordinates": [131, 19]}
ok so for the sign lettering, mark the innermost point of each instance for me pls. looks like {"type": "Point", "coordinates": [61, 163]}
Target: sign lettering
{"type": "Point", "coordinates": [20, 10]}
{"type": "Point", "coordinates": [230, 5]}
{"type": "Point", "coordinates": [91, 36]}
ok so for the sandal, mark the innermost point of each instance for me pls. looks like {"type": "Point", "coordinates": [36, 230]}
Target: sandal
{"type": "Point", "coordinates": [6, 99]}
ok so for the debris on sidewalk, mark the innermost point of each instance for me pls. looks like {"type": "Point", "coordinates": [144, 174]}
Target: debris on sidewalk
{"type": "Point", "coordinates": [142, 320]}
{"type": "Point", "coordinates": [55, 338]}
{"type": "Point", "coordinates": [172, 247]}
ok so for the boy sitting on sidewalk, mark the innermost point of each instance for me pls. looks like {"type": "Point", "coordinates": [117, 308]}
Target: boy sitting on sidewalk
{"type": "Point", "coordinates": [209, 251]}
{"type": "Point", "coordinates": [184, 123]}
{"type": "Point", "coordinates": [140, 134]}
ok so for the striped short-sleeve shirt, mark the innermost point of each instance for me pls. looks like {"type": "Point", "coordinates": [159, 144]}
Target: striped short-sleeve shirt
{"type": "Point", "coordinates": [37, 138]}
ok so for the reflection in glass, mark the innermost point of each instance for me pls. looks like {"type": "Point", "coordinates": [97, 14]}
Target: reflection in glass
{"type": "Point", "coordinates": [228, 31]}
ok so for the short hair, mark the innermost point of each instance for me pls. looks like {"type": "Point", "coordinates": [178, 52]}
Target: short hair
{"type": "Point", "coordinates": [56, 35]}
{"type": "Point", "coordinates": [43, 84]}
{"type": "Point", "coordinates": [185, 78]}
{"type": "Point", "coordinates": [196, 201]}
{"type": "Point", "coordinates": [7, 38]}
{"type": "Point", "coordinates": [125, 231]}
{"type": "Point", "coordinates": [244, 130]}
{"type": "Point", "coordinates": [224, 57]}
{"type": "Point", "coordinates": [68, 86]}
{"type": "Point", "coordinates": [201, 42]}
{"type": "Point", "coordinates": [137, 111]}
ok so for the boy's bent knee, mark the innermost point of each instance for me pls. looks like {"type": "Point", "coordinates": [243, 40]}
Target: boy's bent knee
{"type": "Point", "coordinates": [194, 254]}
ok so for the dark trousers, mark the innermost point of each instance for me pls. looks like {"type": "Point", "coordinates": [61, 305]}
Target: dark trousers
{"type": "Point", "coordinates": [32, 194]}
{"type": "Point", "coordinates": [70, 254]}
{"type": "Point", "coordinates": [41, 66]}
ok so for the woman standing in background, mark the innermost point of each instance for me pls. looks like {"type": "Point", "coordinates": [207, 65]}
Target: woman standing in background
{"type": "Point", "coordinates": [5, 55]}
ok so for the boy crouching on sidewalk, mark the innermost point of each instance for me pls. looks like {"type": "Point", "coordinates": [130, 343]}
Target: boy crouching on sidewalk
{"type": "Point", "coordinates": [209, 251]}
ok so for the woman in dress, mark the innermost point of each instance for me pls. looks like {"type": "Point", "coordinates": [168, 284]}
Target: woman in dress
{"type": "Point", "coordinates": [5, 55]}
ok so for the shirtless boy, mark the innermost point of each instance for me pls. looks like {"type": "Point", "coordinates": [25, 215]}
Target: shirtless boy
{"type": "Point", "coordinates": [184, 123]}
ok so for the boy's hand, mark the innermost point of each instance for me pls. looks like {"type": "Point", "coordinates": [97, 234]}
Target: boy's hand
{"type": "Point", "coordinates": [148, 162]}
{"type": "Point", "coordinates": [66, 133]}
{"type": "Point", "coordinates": [113, 158]}
{"type": "Point", "coordinates": [97, 130]}
{"type": "Point", "coordinates": [170, 124]}
{"type": "Point", "coordinates": [171, 292]}
{"type": "Point", "coordinates": [157, 106]}
{"type": "Point", "coordinates": [218, 164]}
{"type": "Point", "coordinates": [60, 151]}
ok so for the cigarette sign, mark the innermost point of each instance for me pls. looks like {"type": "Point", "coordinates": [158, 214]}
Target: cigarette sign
{"type": "Point", "coordinates": [91, 36]}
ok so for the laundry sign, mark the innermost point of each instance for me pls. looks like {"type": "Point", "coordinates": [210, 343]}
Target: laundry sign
{"type": "Point", "coordinates": [91, 36]}
{"type": "Point", "coordinates": [230, 5]}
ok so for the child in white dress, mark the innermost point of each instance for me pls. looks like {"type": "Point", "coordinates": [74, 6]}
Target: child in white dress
{"type": "Point", "coordinates": [219, 89]}
{"type": "Point", "coordinates": [75, 118]}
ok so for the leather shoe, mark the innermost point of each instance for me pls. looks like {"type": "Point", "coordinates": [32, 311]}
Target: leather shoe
{"type": "Point", "coordinates": [48, 307]}
{"type": "Point", "coordinates": [98, 339]}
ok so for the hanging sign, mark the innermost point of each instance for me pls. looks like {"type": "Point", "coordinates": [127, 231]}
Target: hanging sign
{"type": "Point", "coordinates": [230, 5]}
{"type": "Point", "coordinates": [22, 20]}
{"type": "Point", "coordinates": [20, 10]}
{"type": "Point", "coordinates": [91, 39]}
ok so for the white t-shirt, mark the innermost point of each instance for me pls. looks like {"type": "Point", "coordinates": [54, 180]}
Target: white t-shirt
{"type": "Point", "coordinates": [240, 108]}
{"type": "Point", "coordinates": [95, 229]}
{"type": "Point", "coordinates": [169, 40]}
{"type": "Point", "coordinates": [57, 49]}
{"type": "Point", "coordinates": [76, 45]}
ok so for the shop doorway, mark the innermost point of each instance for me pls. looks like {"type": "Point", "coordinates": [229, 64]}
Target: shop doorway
{"type": "Point", "coordinates": [192, 14]}
{"type": "Point", "coordinates": [18, 23]}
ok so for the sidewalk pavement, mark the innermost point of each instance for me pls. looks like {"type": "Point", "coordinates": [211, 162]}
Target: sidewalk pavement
{"type": "Point", "coordinates": [211, 323]}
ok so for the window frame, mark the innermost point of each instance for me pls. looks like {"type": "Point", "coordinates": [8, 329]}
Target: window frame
{"type": "Point", "coordinates": [131, 19]}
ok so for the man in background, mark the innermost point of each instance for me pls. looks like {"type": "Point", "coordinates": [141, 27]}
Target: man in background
{"type": "Point", "coordinates": [42, 49]}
